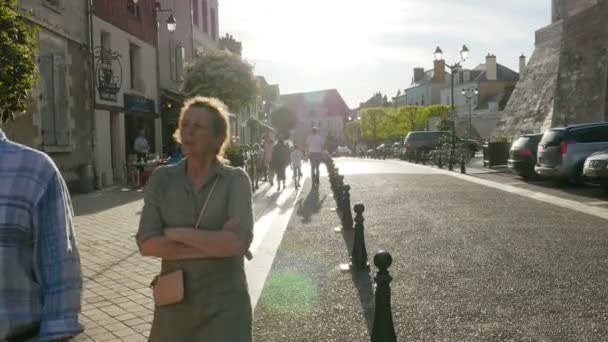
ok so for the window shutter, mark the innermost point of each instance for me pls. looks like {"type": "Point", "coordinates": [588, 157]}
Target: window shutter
{"type": "Point", "coordinates": [62, 130]}
{"type": "Point", "coordinates": [180, 62]}
{"type": "Point", "coordinates": [48, 95]}
{"type": "Point", "coordinates": [172, 61]}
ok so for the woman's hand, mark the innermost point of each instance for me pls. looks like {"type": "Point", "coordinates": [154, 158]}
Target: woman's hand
{"type": "Point", "coordinates": [179, 233]}
{"type": "Point", "coordinates": [222, 243]}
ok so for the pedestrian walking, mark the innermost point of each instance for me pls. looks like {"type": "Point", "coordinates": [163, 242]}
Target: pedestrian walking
{"type": "Point", "coordinates": [268, 145]}
{"type": "Point", "coordinates": [40, 276]}
{"type": "Point", "coordinates": [280, 160]}
{"type": "Point", "coordinates": [296, 164]}
{"type": "Point", "coordinates": [198, 218]}
{"type": "Point", "coordinates": [314, 150]}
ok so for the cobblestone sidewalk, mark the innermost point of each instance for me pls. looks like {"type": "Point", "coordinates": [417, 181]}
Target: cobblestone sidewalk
{"type": "Point", "coordinates": [117, 303]}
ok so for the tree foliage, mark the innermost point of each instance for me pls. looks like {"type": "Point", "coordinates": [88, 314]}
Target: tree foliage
{"type": "Point", "coordinates": [352, 131]}
{"type": "Point", "coordinates": [387, 123]}
{"type": "Point", "coordinates": [17, 61]}
{"type": "Point", "coordinates": [370, 123]}
{"type": "Point", "coordinates": [283, 120]}
{"type": "Point", "coordinates": [222, 75]}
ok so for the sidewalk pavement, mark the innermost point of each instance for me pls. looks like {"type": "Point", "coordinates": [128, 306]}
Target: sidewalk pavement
{"type": "Point", "coordinates": [464, 269]}
{"type": "Point", "coordinates": [117, 303]}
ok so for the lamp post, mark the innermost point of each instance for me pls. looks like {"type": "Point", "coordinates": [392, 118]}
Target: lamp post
{"type": "Point", "coordinates": [469, 94]}
{"type": "Point", "coordinates": [171, 22]}
{"type": "Point", "coordinates": [464, 54]}
{"type": "Point", "coordinates": [171, 26]}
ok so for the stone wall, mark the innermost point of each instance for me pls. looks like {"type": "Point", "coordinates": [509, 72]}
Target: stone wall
{"type": "Point", "coordinates": [532, 100]}
{"type": "Point", "coordinates": [565, 81]}
{"type": "Point", "coordinates": [581, 92]}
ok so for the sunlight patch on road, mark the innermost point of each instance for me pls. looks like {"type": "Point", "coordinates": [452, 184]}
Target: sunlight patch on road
{"type": "Point", "coordinates": [289, 294]}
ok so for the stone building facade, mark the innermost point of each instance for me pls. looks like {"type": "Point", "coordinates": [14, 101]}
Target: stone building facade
{"type": "Point", "coordinates": [127, 31]}
{"type": "Point", "coordinates": [566, 80]}
{"type": "Point", "coordinates": [59, 120]}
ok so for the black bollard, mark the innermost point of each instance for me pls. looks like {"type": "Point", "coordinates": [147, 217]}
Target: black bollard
{"type": "Point", "coordinates": [462, 167]}
{"type": "Point", "coordinates": [339, 192]}
{"type": "Point", "coordinates": [347, 215]}
{"type": "Point", "coordinates": [451, 161]}
{"type": "Point", "coordinates": [383, 329]}
{"type": "Point", "coordinates": [440, 162]}
{"type": "Point", "coordinates": [359, 252]}
{"type": "Point", "coordinates": [334, 176]}
{"type": "Point", "coordinates": [424, 156]}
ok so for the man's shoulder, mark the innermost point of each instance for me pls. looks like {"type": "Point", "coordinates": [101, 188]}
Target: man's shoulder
{"type": "Point", "coordinates": [26, 159]}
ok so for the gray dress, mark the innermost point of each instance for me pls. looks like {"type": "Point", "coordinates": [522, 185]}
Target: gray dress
{"type": "Point", "coordinates": [217, 306]}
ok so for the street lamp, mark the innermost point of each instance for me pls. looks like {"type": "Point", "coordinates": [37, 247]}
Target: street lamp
{"type": "Point", "coordinates": [171, 22]}
{"type": "Point", "coordinates": [464, 54]}
{"type": "Point", "coordinates": [469, 94]}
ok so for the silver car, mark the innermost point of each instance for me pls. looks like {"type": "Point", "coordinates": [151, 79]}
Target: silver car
{"type": "Point", "coordinates": [562, 151]}
{"type": "Point", "coordinates": [596, 168]}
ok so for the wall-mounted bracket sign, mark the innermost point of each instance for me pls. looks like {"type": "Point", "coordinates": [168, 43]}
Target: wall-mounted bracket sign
{"type": "Point", "coordinates": [108, 72]}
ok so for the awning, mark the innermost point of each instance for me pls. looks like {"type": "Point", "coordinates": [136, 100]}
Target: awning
{"type": "Point", "coordinates": [261, 123]}
{"type": "Point", "coordinates": [172, 95]}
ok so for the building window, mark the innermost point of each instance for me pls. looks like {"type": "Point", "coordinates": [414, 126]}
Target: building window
{"type": "Point", "coordinates": [176, 59]}
{"type": "Point", "coordinates": [213, 24]}
{"type": "Point", "coordinates": [134, 67]}
{"type": "Point", "coordinates": [205, 12]}
{"type": "Point", "coordinates": [133, 9]}
{"type": "Point", "coordinates": [195, 18]}
{"type": "Point", "coordinates": [53, 4]}
{"type": "Point", "coordinates": [54, 111]}
{"type": "Point", "coordinates": [105, 40]}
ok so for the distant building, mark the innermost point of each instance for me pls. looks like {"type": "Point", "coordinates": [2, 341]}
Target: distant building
{"type": "Point", "coordinates": [324, 109]}
{"type": "Point", "coordinates": [230, 44]}
{"type": "Point", "coordinates": [425, 87]}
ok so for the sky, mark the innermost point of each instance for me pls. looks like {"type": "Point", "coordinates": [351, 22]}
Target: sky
{"type": "Point", "coordinates": [361, 47]}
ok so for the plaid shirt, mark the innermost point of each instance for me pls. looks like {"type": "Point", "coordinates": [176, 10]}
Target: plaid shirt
{"type": "Point", "coordinates": [40, 279]}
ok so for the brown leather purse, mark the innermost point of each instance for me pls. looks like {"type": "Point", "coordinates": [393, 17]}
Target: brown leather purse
{"type": "Point", "coordinates": [168, 288]}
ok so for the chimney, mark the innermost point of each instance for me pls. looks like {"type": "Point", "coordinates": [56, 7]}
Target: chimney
{"type": "Point", "coordinates": [522, 66]}
{"type": "Point", "coordinates": [491, 67]}
{"type": "Point", "coordinates": [418, 74]}
{"type": "Point", "coordinates": [439, 71]}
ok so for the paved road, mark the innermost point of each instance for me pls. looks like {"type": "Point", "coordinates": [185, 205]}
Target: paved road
{"type": "Point", "coordinates": [474, 260]}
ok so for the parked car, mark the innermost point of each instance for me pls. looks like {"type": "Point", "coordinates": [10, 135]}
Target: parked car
{"type": "Point", "coordinates": [562, 151]}
{"type": "Point", "coordinates": [371, 153]}
{"type": "Point", "coordinates": [522, 155]}
{"type": "Point", "coordinates": [425, 141]}
{"type": "Point", "coordinates": [385, 150]}
{"type": "Point", "coordinates": [343, 151]}
{"type": "Point", "coordinates": [396, 149]}
{"type": "Point", "coordinates": [422, 141]}
{"type": "Point", "coordinates": [596, 168]}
